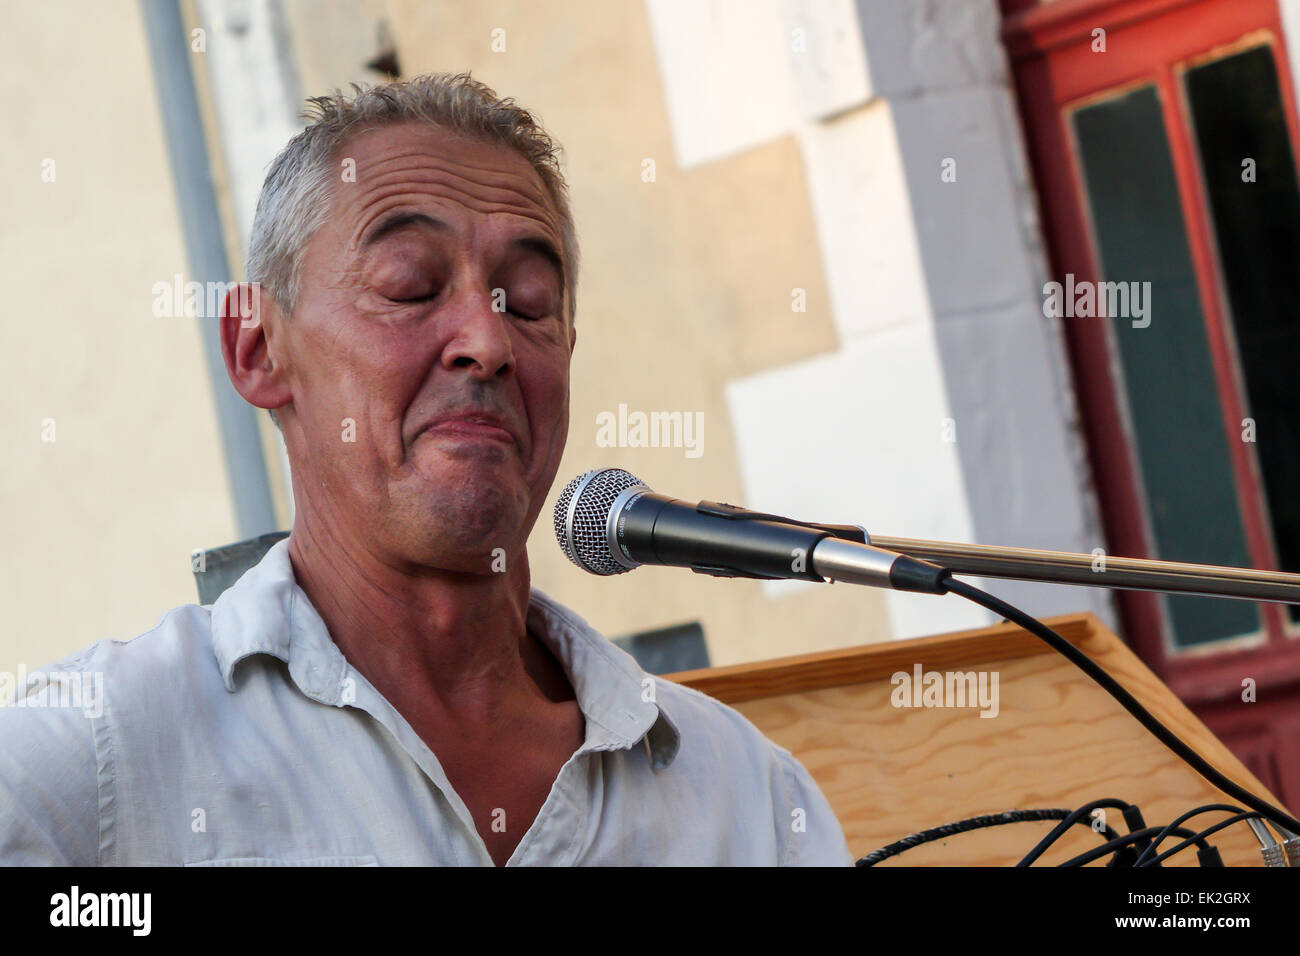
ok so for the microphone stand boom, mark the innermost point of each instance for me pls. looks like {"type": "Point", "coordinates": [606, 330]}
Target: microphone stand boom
{"type": "Point", "coordinates": [1099, 570]}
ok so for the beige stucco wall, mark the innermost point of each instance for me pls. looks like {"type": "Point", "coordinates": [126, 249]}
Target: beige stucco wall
{"type": "Point", "coordinates": [98, 525]}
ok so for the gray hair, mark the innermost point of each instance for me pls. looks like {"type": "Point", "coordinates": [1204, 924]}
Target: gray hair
{"type": "Point", "coordinates": [295, 197]}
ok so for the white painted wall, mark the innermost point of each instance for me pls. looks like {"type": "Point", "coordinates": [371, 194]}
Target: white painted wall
{"type": "Point", "coordinates": [935, 286]}
{"type": "Point", "coordinates": [725, 75]}
{"type": "Point", "coordinates": [850, 438]}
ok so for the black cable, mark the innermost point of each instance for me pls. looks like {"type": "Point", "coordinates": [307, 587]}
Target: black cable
{"type": "Point", "coordinates": [1208, 808]}
{"type": "Point", "coordinates": [963, 826]}
{"type": "Point", "coordinates": [1127, 700]}
{"type": "Point", "coordinates": [1075, 816]}
{"type": "Point", "coordinates": [1247, 815]}
{"type": "Point", "coordinates": [1119, 843]}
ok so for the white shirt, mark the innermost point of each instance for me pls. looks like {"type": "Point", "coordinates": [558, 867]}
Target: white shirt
{"type": "Point", "coordinates": [238, 734]}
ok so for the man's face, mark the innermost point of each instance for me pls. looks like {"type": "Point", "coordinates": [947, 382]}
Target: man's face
{"type": "Point", "coordinates": [394, 329]}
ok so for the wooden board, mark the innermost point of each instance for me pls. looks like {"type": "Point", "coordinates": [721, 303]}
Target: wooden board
{"type": "Point", "coordinates": [1057, 740]}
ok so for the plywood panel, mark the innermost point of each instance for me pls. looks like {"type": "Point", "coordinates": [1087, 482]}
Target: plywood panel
{"type": "Point", "coordinates": [1057, 740]}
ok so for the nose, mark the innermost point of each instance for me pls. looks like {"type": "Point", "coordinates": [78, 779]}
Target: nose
{"type": "Point", "coordinates": [480, 340]}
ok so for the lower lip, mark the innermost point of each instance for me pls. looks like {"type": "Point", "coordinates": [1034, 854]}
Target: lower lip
{"type": "Point", "coordinates": [465, 429]}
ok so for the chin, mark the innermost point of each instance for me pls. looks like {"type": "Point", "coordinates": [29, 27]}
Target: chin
{"type": "Point", "coordinates": [457, 524]}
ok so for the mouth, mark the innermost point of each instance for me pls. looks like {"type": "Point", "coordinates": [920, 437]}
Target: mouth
{"type": "Point", "coordinates": [470, 426]}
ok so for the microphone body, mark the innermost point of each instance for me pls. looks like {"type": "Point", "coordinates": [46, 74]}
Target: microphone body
{"type": "Point", "coordinates": [710, 538]}
{"type": "Point", "coordinates": [608, 521]}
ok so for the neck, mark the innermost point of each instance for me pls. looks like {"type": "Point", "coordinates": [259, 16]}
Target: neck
{"type": "Point", "coordinates": [438, 645]}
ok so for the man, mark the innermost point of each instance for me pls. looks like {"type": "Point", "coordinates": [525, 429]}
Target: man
{"type": "Point", "coordinates": [385, 687]}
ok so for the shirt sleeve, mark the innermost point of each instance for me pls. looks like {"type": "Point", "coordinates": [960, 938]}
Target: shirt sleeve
{"type": "Point", "coordinates": [49, 786]}
{"type": "Point", "coordinates": [812, 835]}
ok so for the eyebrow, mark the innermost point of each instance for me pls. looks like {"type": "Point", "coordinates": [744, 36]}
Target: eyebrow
{"type": "Point", "coordinates": [396, 221]}
{"type": "Point", "coordinates": [400, 220]}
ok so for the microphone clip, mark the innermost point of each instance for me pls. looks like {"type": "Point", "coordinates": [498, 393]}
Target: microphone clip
{"type": "Point", "coordinates": [721, 509]}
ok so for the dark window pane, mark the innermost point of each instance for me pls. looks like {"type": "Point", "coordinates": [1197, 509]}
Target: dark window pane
{"type": "Point", "coordinates": [1237, 111]}
{"type": "Point", "coordinates": [669, 649]}
{"type": "Point", "coordinates": [1168, 377]}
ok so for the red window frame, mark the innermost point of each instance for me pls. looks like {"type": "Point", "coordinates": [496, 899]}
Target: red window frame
{"type": "Point", "coordinates": [1055, 68]}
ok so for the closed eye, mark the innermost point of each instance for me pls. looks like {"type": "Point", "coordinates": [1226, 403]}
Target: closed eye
{"type": "Point", "coordinates": [418, 298]}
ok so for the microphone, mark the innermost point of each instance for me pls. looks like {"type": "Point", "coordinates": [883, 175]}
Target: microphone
{"type": "Point", "coordinates": [607, 521]}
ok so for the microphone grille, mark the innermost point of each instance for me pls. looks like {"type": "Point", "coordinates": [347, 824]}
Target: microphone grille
{"type": "Point", "coordinates": [581, 513]}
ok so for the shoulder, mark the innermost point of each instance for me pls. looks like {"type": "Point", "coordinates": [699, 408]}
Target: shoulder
{"type": "Point", "coordinates": [716, 734]}
{"type": "Point", "coordinates": [181, 637]}
{"type": "Point", "coordinates": [57, 730]}
{"type": "Point", "coordinates": [700, 715]}
{"type": "Point", "coordinates": [720, 742]}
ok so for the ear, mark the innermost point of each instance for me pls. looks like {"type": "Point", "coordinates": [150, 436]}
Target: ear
{"type": "Point", "coordinates": [250, 319]}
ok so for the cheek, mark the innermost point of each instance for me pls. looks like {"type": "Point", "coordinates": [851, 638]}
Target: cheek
{"type": "Point", "coordinates": [549, 396]}
{"type": "Point", "coordinates": [542, 369]}
{"type": "Point", "coordinates": [362, 389]}
{"type": "Point", "coordinates": [390, 378]}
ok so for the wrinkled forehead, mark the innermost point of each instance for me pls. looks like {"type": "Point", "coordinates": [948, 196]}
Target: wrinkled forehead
{"type": "Point", "coordinates": [408, 164]}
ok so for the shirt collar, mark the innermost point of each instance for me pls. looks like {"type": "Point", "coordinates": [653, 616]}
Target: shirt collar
{"type": "Point", "coordinates": [266, 612]}
{"type": "Point", "coordinates": [611, 687]}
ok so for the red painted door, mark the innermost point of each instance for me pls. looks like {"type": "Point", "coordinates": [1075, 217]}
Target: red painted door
{"type": "Point", "coordinates": [1162, 136]}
